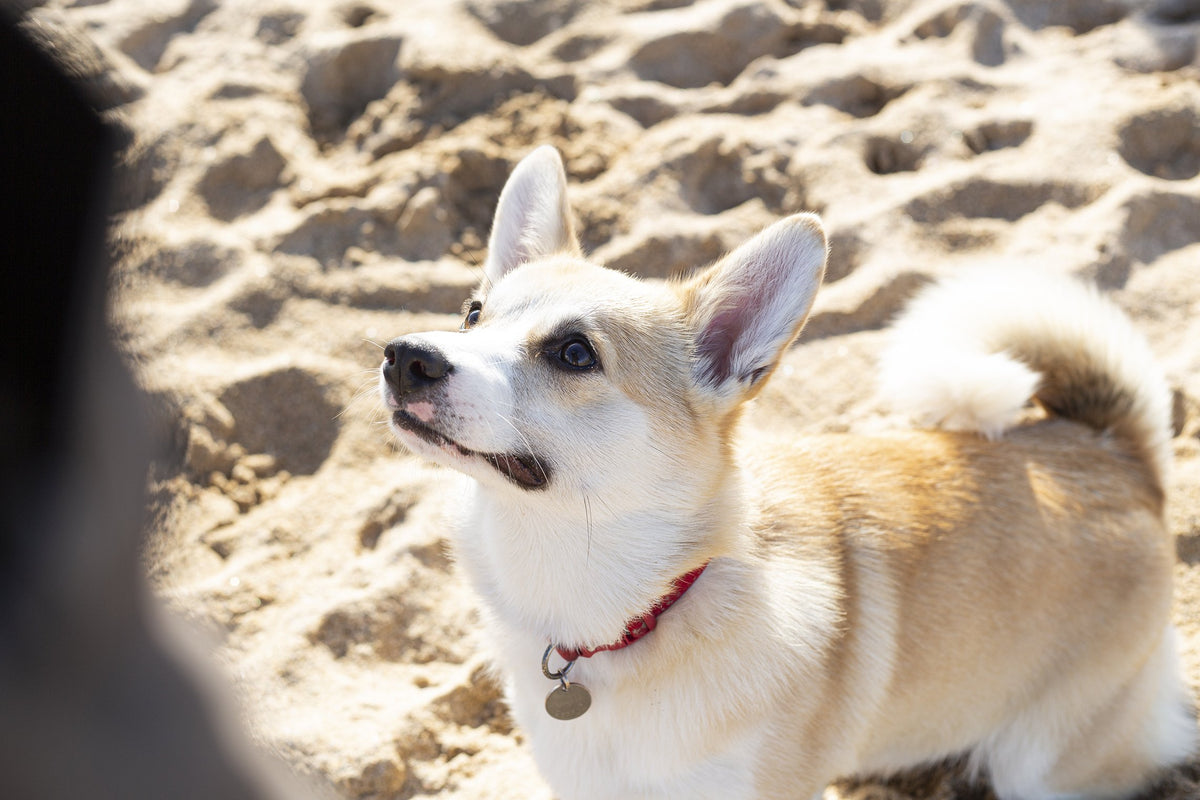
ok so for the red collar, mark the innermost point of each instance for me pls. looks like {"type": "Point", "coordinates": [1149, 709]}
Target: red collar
{"type": "Point", "coordinates": [640, 626]}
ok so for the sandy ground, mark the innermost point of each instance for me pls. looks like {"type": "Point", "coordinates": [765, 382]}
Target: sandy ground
{"type": "Point", "coordinates": [311, 179]}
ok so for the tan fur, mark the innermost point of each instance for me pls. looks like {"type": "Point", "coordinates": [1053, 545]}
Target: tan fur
{"type": "Point", "coordinates": [930, 523]}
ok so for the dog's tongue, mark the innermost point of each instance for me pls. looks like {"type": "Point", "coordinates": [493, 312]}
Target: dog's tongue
{"type": "Point", "coordinates": [526, 472]}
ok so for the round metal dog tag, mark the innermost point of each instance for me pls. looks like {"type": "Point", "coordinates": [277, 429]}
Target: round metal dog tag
{"type": "Point", "coordinates": [568, 701]}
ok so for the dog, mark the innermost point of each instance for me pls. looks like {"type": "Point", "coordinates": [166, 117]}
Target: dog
{"type": "Point", "coordinates": [680, 610]}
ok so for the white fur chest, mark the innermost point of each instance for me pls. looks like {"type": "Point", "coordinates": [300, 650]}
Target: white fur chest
{"type": "Point", "coordinates": [647, 738]}
{"type": "Point", "coordinates": [673, 714]}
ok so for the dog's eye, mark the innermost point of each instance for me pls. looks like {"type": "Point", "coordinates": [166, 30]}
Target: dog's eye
{"type": "Point", "coordinates": [577, 354]}
{"type": "Point", "coordinates": [472, 318]}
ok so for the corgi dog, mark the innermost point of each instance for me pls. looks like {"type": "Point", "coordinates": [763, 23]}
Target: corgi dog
{"type": "Point", "coordinates": [682, 608]}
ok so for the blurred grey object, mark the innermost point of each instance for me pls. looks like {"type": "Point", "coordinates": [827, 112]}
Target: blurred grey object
{"type": "Point", "coordinates": [99, 697]}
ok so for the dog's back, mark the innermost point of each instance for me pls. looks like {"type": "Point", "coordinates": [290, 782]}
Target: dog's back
{"type": "Point", "coordinates": [1013, 594]}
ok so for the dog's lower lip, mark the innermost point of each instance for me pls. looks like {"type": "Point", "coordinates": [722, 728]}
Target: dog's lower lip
{"type": "Point", "coordinates": [525, 471]}
{"type": "Point", "coordinates": [413, 425]}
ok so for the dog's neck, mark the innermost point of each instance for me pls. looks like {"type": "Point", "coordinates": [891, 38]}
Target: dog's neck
{"type": "Point", "coordinates": [642, 625]}
{"type": "Point", "coordinates": [576, 576]}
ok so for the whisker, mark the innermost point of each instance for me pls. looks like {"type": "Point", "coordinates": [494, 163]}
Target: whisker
{"type": "Point", "coordinates": [525, 439]}
{"type": "Point", "coordinates": [606, 506]}
{"type": "Point", "coordinates": [366, 389]}
{"type": "Point", "coordinates": [587, 516]}
{"type": "Point", "coordinates": [485, 282]}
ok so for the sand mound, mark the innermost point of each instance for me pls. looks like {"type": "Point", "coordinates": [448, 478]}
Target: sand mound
{"type": "Point", "coordinates": [309, 180]}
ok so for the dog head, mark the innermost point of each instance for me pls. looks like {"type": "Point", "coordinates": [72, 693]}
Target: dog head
{"type": "Point", "coordinates": [569, 378]}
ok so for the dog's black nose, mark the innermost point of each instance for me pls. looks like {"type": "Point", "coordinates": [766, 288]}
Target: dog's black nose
{"type": "Point", "coordinates": [408, 367]}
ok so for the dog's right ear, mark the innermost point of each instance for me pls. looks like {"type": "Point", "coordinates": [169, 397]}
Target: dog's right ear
{"type": "Point", "coordinates": [532, 217]}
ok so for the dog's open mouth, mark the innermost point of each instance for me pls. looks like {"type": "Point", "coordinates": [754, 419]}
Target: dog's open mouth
{"type": "Point", "coordinates": [524, 470]}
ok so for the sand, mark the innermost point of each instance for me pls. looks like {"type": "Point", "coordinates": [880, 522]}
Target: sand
{"type": "Point", "coordinates": [311, 179]}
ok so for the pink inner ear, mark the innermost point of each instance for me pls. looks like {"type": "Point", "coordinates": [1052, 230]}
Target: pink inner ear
{"type": "Point", "coordinates": [715, 346]}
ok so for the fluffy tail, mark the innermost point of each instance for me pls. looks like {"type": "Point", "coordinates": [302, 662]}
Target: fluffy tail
{"type": "Point", "coordinates": [970, 352]}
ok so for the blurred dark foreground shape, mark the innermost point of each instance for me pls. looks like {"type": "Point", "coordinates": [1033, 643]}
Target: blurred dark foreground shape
{"type": "Point", "coordinates": [99, 697]}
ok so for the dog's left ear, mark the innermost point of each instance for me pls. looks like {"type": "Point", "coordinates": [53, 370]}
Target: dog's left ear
{"type": "Point", "coordinates": [748, 307]}
{"type": "Point", "coordinates": [532, 217]}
